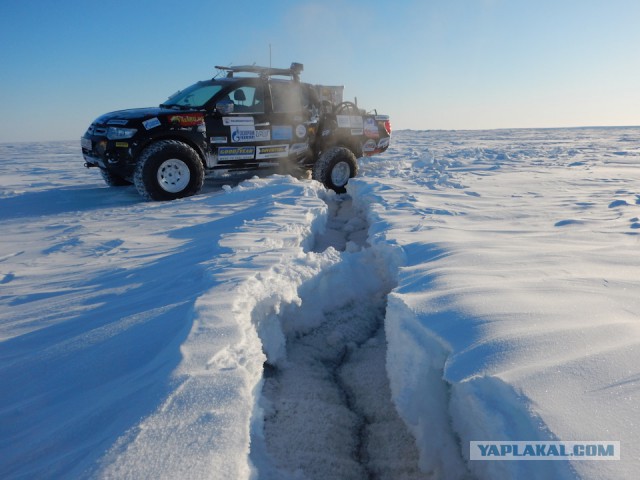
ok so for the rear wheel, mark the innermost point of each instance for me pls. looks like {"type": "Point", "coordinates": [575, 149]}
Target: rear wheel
{"type": "Point", "coordinates": [168, 170]}
{"type": "Point", "coordinates": [335, 167]}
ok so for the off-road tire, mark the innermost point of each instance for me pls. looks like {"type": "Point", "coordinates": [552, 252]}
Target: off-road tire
{"type": "Point", "coordinates": [335, 167]}
{"type": "Point", "coordinates": [167, 170]}
{"type": "Point", "coordinates": [112, 179]}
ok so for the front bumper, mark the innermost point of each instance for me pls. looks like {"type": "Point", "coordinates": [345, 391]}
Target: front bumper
{"type": "Point", "coordinates": [113, 155]}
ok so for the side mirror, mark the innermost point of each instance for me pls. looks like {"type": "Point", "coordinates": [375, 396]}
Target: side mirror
{"type": "Point", "coordinates": [224, 107]}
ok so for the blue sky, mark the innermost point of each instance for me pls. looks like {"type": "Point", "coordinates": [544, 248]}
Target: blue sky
{"type": "Point", "coordinates": [430, 64]}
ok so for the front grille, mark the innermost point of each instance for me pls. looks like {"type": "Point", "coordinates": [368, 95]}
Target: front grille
{"type": "Point", "coordinates": [100, 148]}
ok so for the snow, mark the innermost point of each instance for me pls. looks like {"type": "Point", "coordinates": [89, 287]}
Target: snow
{"type": "Point", "coordinates": [470, 286]}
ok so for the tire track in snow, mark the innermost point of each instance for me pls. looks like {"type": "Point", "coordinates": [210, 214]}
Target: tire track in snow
{"type": "Point", "coordinates": [328, 411]}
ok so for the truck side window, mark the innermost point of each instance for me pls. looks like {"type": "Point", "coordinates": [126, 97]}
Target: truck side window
{"type": "Point", "coordinates": [247, 99]}
{"type": "Point", "coordinates": [286, 97]}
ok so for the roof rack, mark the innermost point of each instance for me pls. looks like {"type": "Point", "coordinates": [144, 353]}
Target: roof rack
{"type": "Point", "coordinates": [293, 71]}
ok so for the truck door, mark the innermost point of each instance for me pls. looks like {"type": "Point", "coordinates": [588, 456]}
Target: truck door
{"type": "Point", "coordinates": [240, 127]}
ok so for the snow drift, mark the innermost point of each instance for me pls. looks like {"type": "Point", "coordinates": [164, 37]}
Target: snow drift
{"type": "Point", "coordinates": [518, 289]}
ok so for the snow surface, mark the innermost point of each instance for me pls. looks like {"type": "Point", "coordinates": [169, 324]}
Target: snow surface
{"type": "Point", "coordinates": [239, 333]}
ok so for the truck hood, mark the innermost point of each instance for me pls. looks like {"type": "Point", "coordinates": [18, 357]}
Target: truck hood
{"type": "Point", "coordinates": [122, 117]}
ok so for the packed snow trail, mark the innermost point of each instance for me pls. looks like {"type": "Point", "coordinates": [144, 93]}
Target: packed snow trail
{"type": "Point", "coordinates": [327, 408]}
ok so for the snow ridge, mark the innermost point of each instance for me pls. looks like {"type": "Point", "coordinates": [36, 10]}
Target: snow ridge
{"type": "Point", "coordinates": [205, 421]}
{"type": "Point", "coordinates": [421, 395]}
{"type": "Point", "coordinates": [443, 412]}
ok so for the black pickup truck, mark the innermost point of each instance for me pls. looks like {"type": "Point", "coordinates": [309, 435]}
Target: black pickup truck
{"type": "Point", "coordinates": [249, 118]}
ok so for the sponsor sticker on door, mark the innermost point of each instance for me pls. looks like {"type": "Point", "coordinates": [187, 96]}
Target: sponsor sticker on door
{"type": "Point", "coordinates": [241, 134]}
{"type": "Point", "coordinates": [228, 121]}
{"type": "Point", "coordinates": [272, 151]}
{"type": "Point", "coordinates": [236, 153]}
{"type": "Point", "coordinates": [282, 132]}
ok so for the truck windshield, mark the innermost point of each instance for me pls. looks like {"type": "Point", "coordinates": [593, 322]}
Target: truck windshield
{"type": "Point", "coordinates": [194, 96]}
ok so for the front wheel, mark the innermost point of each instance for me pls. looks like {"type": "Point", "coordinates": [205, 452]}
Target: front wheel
{"type": "Point", "coordinates": [112, 179]}
{"type": "Point", "coordinates": [335, 167]}
{"type": "Point", "coordinates": [168, 170]}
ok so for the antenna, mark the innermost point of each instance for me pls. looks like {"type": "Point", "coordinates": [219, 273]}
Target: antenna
{"type": "Point", "coordinates": [269, 55]}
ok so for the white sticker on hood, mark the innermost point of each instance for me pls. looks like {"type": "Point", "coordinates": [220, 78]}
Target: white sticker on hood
{"type": "Point", "coordinates": [151, 123]}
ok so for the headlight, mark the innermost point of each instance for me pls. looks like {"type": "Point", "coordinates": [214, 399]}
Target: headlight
{"type": "Point", "coordinates": [118, 133]}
